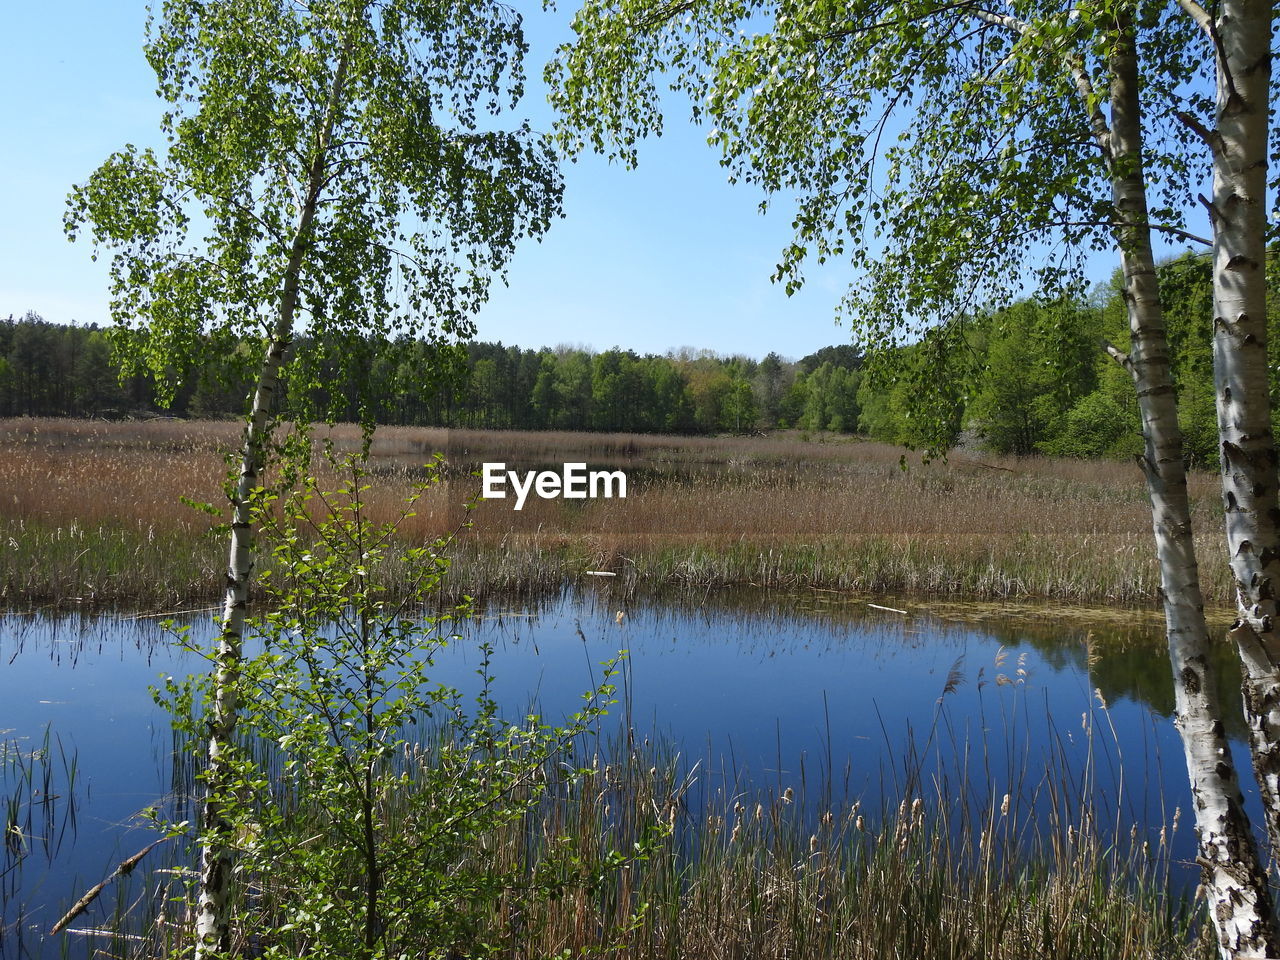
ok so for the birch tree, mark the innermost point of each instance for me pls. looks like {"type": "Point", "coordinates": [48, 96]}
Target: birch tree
{"type": "Point", "coordinates": [329, 164]}
{"type": "Point", "coordinates": [959, 154]}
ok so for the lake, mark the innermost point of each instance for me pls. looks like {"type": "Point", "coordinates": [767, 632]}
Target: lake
{"type": "Point", "coordinates": [821, 692]}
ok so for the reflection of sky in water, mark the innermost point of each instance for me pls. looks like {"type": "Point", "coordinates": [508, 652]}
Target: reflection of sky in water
{"type": "Point", "coordinates": [771, 697]}
{"type": "Point", "coordinates": [87, 680]}
{"type": "Point", "coordinates": [766, 697]}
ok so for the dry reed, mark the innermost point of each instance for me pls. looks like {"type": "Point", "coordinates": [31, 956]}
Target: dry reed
{"type": "Point", "coordinates": [92, 512]}
{"type": "Point", "coordinates": [943, 869]}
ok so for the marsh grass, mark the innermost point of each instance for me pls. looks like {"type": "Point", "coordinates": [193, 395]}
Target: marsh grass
{"type": "Point", "coordinates": [91, 513]}
{"type": "Point", "coordinates": [935, 866]}
{"type": "Point", "coordinates": [38, 792]}
{"type": "Point", "coordinates": [967, 849]}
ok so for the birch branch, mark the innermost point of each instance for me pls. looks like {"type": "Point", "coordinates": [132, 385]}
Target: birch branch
{"type": "Point", "coordinates": [1079, 76]}
{"type": "Point", "coordinates": [1212, 139]}
{"type": "Point", "coordinates": [1205, 22]}
{"type": "Point", "coordinates": [1118, 355]}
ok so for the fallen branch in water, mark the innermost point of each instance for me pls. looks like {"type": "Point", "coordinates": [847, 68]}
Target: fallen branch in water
{"type": "Point", "coordinates": [876, 606]}
{"type": "Point", "coordinates": [126, 867]}
{"type": "Point", "coordinates": [114, 934]}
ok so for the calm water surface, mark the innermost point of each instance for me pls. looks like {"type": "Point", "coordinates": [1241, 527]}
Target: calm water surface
{"type": "Point", "coordinates": [761, 693]}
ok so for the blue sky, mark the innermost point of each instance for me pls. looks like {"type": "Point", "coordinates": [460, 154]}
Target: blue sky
{"type": "Point", "coordinates": [662, 257]}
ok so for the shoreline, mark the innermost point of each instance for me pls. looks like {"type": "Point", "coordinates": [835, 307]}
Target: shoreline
{"type": "Point", "coordinates": [93, 515]}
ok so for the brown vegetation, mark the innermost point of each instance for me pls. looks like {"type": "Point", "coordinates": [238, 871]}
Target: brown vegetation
{"type": "Point", "coordinates": [93, 510]}
{"type": "Point", "coordinates": [951, 870]}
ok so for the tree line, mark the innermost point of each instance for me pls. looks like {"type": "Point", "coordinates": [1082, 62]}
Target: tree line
{"type": "Point", "coordinates": [1038, 382]}
{"type": "Point", "coordinates": [49, 369]}
{"type": "Point", "coordinates": [1032, 379]}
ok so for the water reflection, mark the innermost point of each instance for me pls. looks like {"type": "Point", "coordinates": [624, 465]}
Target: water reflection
{"type": "Point", "coordinates": [818, 692]}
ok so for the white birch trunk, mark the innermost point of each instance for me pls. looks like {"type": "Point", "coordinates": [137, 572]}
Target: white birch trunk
{"type": "Point", "coordinates": [1240, 903]}
{"type": "Point", "coordinates": [212, 926]}
{"type": "Point", "coordinates": [1248, 450]}
{"type": "Point", "coordinates": [212, 920]}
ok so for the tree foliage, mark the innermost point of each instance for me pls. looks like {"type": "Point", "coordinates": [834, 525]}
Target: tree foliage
{"type": "Point", "coordinates": [331, 163]}
{"type": "Point", "coordinates": [373, 806]}
{"type": "Point", "coordinates": [948, 158]}
{"type": "Point", "coordinates": [958, 155]}
{"type": "Point", "coordinates": [337, 147]}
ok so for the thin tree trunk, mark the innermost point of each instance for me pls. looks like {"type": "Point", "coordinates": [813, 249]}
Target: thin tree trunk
{"type": "Point", "coordinates": [1239, 899]}
{"type": "Point", "coordinates": [212, 921]}
{"type": "Point", "coordinates": [373, 864]}
{"type": "Point", "coordinates": [212, 925]}
{"type": "Point", "coordinates": [1248, 450]}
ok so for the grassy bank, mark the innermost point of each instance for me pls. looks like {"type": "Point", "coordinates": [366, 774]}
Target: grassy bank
{"type": "Point", "coordinates": [91, 513]}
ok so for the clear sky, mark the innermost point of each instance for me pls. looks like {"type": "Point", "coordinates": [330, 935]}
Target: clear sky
{"type": "Point", "coordinates": [663, 257]}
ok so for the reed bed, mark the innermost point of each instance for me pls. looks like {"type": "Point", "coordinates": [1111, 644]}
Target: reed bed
{"type": "Point", "coordinates": [939, 866]}
{"type": "Point", "coordinates": [91, 512]}
{"type": "Point", "coordinates": [38, 793]}
{"type": "Point", "coordinates": [750, 875]}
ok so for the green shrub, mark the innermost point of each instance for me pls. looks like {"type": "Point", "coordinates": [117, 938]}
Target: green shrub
{"type": "Point", "coordinates": [365, 798]}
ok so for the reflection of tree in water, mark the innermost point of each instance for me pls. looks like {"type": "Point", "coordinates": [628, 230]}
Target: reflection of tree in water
{"type": "Point", "coordinates": [1127, 661]}
{"type": "Point", "coordinates": [1125, 656]}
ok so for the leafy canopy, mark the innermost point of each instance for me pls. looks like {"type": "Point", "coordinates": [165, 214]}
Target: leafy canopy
{"type": "Point", "coordinates": [950, 151]}
{"type": "Point", "coordinates": [376, 117]}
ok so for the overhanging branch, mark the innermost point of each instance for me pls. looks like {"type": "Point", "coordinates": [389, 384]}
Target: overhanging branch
{"type": "Point", "coordinates": [1211, 138]}
{"type": "Point", "coordinates": [1205, 22]}
{"type": "Point", "coordinates": [1118, 355]}
{"type": "Point", "coordinates": [1158, 227]}
{"type": "Point", "coordinates": [1075, 66]}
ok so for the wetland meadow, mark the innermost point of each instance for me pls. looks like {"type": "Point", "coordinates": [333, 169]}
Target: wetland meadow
{"type": "Point", "coordinates": [866, 711]}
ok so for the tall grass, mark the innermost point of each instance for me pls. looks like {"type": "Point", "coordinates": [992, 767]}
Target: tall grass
{"type": "Point", "coordinates": [937, 865]}
{"type": "Point", "coordinates": [38, 797]}
{"type": "Point", "coordinates": [91, 513]}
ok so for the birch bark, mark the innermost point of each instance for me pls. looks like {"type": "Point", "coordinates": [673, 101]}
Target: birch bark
{"type": "Point", "coordinates": [212, 921]}
{"type": "Point", "coordinates": [1241, 35]}
{"type": "Point", "coordinates": [1240, 902]}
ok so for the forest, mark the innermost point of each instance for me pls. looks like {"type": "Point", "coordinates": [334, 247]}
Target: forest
{"type": "Point", "coordinates": [1032, 380]}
